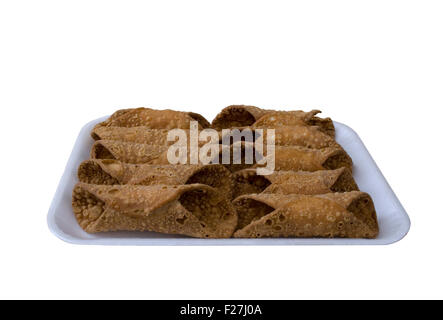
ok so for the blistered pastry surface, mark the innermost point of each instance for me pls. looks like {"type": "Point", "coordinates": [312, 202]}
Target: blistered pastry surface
{"type": "Point", "coordinates": [129, 184]}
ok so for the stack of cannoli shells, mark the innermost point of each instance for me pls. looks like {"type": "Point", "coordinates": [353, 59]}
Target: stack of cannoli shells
{"type": "Point", "coordinates": [128, 184]}
{"type": "Point", "coordinates": [311, 193]}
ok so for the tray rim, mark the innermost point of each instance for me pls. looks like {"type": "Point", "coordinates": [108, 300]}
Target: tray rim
{"type": "Point", "coordinates": [59, 233]}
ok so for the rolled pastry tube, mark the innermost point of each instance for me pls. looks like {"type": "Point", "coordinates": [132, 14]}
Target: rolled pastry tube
{"type": "Point", "coordinates": [350, 214]}
{"type": "Point", "coordinates": [154, 119]}
{"type": "Point", "coordinates": [157, 137]}
{"type": "Point", "coordinates": [145, 135]}
{"type": "Point", "coordinates": [110, 172]}
{"type": "Point", "coordinates": [294, 158]}
{"type": "Point", "coordinates": [300, 135]}
{"type": "Point", "coordinates": [142, 153]}
{"type": "Point", "coordinates": [294, 182]}
{"type": "Point", "coordinates": [238, 116]}
{"type": "Point", "coordinates": [295, 118]}
{"type": "Point", "coordinates": [129, 152]}
{"type": "Point", "coordinates": [290, 158]}
{"type": "Point", "coordinates": [194, 210]}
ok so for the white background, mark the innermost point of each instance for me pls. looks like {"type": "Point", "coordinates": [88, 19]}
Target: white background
{"type": "Point", "coordinates": [374, 65]}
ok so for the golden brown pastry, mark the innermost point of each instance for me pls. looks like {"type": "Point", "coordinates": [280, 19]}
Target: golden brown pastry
{"type": "Point", "coordinates": [129, 152]}
{"type": "Point", "coordinates": [299, 182]}
{"type": "Point", "coordinates": [195, 210]}
{"type": "Point", "coordinates": [286, 158]}
{"type": "Point", "coordinates": [289, 158]}
{"type": "Point", "coordinates": [295, 118]}
{"type": "Point", "coordinates": [238, 116]}
{"type": "Point", "coordinates": [139, 153]}
{"type": "Point", "coordinates": [131, 184]}
{"type": "Point", "coordinates": [243, 116]}
{"type": "Point", "coordinates": [294, 158]}
{"type": "Point", "coordinates": [145, 135]}
{"type": "Point", "coordinates": [350, 214]}
{"type": "Point", "coordinates": [300, 135]}
{"type": "Point", "coordinates": [111, 172]}
{"type": "Point", "coordinates": [154, 119]}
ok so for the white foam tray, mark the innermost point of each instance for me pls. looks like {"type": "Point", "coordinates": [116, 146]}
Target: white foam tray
{"type": "Point", "coordinates": [393, 219]}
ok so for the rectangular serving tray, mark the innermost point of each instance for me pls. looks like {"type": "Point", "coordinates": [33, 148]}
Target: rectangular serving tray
{"type": "Point", "coordinates": [393, 219]}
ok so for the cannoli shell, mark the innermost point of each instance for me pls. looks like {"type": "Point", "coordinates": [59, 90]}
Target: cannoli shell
{"type": "Point", "coordinates": [295, 118]}
{"type": "Point", "coordinates": [111, 172]}
{"type": "Point", "coordinates": [294, 182]}
{"type": "Point", "coordinates": [195, 210]}
{"type": "Point", "coordinates": [238, 116]}
{"type": "Point", "coordinates": [129, 152]}
{"type": "Point", "coordinates": [301, 135]}
{"type": "Point", "coordinates": [350, 214]}
{"type": "Point", "coordinates": [157, 137]}
{"type": "Point", "coordinates": [154, 119]}
{"type": "Point", "coordinates": [145, 135]}
{"type": "Point", "coordinates": [135, 153]}
{"type": "Point", "coordinates": [294, 158]}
